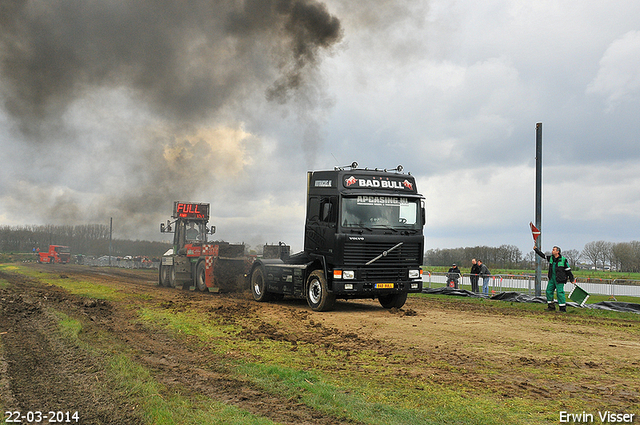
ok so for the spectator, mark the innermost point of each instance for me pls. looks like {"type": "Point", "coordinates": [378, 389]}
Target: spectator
{"type": "Point", "coordinates": [485, 274]}
{"type": "Point", "coordinates": [453, 275]}
{"type": "Point", "coordinates": [475, 270]}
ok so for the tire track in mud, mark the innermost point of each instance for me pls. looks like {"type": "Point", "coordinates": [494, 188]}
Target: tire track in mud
{"type": "Point", "coordinates": [44, 373]}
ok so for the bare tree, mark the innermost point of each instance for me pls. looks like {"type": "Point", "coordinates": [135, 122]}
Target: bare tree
{"type": "Point", "coordinates": [573, 255]}
{"type": "Point", "coordinates": [590, 252]}
{"type": "Point", "coordinates": [597, 251]}
{"type": "Point", "coordinates": [626, 256]}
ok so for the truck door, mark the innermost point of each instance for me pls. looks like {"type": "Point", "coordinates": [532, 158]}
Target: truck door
{"type": "Point", "coordinates": [179, 235]}
{"type": "Point", "coordinates": [321, 225]}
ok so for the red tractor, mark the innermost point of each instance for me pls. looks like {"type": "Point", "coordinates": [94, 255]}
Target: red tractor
{"type": "Point", "coordinates": [56, 254]}
{"type": "Point", "coordinates": [195, 263]}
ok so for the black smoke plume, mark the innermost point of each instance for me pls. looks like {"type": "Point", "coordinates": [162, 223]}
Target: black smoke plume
{"type": "Point", "coordinates": [185, 59]}
{"type": "Point", "coordinates": [160, 82]}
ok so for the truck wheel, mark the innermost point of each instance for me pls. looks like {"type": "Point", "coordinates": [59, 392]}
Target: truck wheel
{"type": "Point", "coordinates": [318, 296]}
{"type": "Point", "coordinates": [259, 285]}
{"type": "Point", "coordinates": [393, 300]}
{"type": "Point", "coordinates": [201, 280]}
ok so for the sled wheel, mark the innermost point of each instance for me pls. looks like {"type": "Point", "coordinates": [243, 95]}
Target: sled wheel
{"type": "Point", "coordinates": [393, 300]}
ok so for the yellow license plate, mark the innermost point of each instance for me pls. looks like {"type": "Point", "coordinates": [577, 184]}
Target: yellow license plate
{"type": "Point", "coordinates": [384, 285]}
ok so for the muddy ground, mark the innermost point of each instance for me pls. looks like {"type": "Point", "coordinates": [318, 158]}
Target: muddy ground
{"type": "Point", "coordinates": [448, 341]}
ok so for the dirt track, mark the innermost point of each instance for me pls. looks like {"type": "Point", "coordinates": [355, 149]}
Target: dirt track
{"type": "Point", "coordinates": [483, 345]}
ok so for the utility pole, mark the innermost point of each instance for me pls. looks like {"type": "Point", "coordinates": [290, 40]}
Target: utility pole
{"type": "Point", "coordinates": [110, 233]}
{"type": "Point", "coordinates": [539, 205]}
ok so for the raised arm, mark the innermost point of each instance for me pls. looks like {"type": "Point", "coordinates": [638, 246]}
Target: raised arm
{"type": "Point", "coordinates": [540, 253]}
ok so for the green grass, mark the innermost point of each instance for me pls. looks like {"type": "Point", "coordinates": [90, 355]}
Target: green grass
{"type": "Point", "coordinates": [510, 305]}
{"type": "Point", "coordinates": [367, 387]}
{"type": "Point", "coordinates": [581, 274]}
{"type": "Point", "coordinates": [136, 384]}
{"type": "Point", "coordinates": [77, 287]}
{"type": "Point", "coordinates": [360, 385]}
{"type": "Point", "coordinates": [88, 289]}
{"type": "Point", "coordinates": [161, 406]}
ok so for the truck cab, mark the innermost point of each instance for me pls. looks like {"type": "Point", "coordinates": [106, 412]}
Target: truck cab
{"type": "Point", "coordinates": [363, 239]}
{"type": "Point", "coordinates": [56, 254]}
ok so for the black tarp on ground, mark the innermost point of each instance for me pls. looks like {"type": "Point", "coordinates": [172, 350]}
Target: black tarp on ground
{"type": "Point", "coordinates": [452, 291]}
{"type": "Point", "coordinates": [525, 298]}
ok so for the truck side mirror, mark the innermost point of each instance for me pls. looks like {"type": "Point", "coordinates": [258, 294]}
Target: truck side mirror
{"type": "Point", "coordinates": [213, 229]}
{"type": "Point", "coordinates": [424, 216]}
{"type": "Point", "coordinates": [161, 227]}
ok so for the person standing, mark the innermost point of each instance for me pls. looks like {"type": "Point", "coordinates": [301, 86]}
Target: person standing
{"type": "Point", "coordinates": [453, 275]}
{"type": "Point", "coordinates": [559, 274]}
{"type": "Point", "coordinates": [473, 274]}
{"type": "Point", "coordinates": [485, 274]}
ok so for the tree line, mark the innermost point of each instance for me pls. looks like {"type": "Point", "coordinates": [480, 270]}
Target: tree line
{"type": "Point", "coordinates": [89, 239]}
{"type": "Point", "coordinates": [624, 256]}
{"type": "Point", "coordinates": [504, 256]}
{"type": "Point", "coordinates": [93, 240]}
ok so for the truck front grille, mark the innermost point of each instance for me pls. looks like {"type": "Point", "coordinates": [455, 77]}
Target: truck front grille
{"type": "Point", "coordinates": [383, 275]}
{"type": "Point", "coordinates": [358, 253]}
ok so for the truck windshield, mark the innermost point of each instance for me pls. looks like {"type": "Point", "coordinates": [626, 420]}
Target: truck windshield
{"type": "Point", "coordinates": [381, 212]}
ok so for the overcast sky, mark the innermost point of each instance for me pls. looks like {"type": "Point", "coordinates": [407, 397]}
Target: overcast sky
{"type": "Point", "coordinates": [117, 109]}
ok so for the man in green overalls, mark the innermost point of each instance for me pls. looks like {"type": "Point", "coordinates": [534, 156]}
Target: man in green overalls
{"type": "Point", "coordinates": [559, 274]}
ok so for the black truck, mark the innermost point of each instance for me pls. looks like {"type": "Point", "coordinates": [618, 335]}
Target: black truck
{"type": "Point", "coordinates": [363, 239]}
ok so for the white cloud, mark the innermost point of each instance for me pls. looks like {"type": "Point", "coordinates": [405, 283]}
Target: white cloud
{"type": "Point", "coordinates": [618, 77]}
{"type": "Point", "coordinates": [450, 90]}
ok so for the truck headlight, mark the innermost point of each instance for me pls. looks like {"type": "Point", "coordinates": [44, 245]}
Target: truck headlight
{"type": "Point", "coordinates": [348, 286]}
{"type": "Point", "coordinates": [414, 286]}
{"type": "Point", "coordinates": [348, 274]}
{"type": "Point", "coordinates": [414, 274]}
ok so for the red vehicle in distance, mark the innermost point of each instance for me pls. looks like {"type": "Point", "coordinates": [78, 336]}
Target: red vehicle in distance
{"type": "Point", "coordinates": [56, 254]}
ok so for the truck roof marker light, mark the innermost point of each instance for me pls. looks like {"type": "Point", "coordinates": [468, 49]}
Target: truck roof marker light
{"type": "Point", "coordinates": [398, 169]}
{"type": "Point", "coordinates": [354, 165]}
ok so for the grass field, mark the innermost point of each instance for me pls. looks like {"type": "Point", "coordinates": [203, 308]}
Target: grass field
{"type": "Point", "coordinates": [164, 356]}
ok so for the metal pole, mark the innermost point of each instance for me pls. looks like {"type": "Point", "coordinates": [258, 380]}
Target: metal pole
{"type": "Point", "coordinates": [110, 233]}
{"type": "Point", "coordinates": [539, 206]}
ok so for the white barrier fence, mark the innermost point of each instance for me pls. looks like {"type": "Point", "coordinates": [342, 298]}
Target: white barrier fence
{"type": "Point", "coordinates": [526, 284]}
{"type": "Point", "coordinates": [128, 263]}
